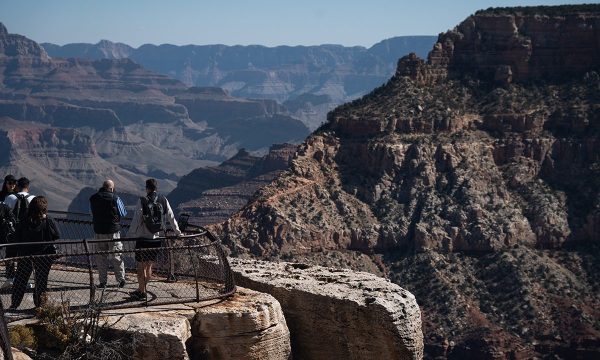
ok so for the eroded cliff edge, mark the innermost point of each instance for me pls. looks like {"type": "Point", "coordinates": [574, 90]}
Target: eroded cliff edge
{"type": "Point", "coordinates": [486, 156]}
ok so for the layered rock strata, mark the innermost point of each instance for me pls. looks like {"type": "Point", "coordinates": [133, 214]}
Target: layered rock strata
{"type": "Point", "coordinates": [248, 326]}
{"type": "Point", "coordinates": [454, 158]}
{"type": "Point", "coordinates": [140, 122]}
{"type": "Point", "coordinates": [210, 195]}
{"type": "Point", "coordinates": [313, 78]}
{"type": "Point", "coordinates": [336, 313]}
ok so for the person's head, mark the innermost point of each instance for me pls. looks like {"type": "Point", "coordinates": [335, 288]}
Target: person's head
{"type": "Point", "coordinates": [151, 186]}
{"type": "Point", "coordinates": [23, 184]}
{"type": "Point", "coordinates": [10, 184]}
{"type": "Point", "coordinates": [108, 185]}
{"type": "Point", "coordinates": [38, 208]}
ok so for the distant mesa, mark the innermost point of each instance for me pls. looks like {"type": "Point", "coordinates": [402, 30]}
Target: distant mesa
{"type": "Point", "coordinates": [282, 73]}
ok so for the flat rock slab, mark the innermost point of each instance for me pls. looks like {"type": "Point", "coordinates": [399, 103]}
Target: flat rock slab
{"type": "Point", "coordinates": [338, 313]}
{"type": "Point", "coordinates": [249, 325]}
{"type": "Point", "coordinates": [17, 355]}
{"type": "Point", "coordinates": [160, 335]}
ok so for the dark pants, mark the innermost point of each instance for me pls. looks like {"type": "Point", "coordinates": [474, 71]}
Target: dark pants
{"type": "Point", "coordinates": [10, 269]}
{"type": "Point", "coordinates": [24, 269]}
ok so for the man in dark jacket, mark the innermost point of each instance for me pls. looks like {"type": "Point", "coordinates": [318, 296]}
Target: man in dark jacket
{"type": "Point", "coordinates": [107, 210]}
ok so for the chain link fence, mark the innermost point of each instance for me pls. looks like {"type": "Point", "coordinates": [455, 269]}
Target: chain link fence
{"type": "Point", "coordinates": [79, 270]}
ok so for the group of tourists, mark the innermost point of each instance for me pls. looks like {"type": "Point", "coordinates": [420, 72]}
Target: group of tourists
{"type": "Point", "coordinates": [24, 219]}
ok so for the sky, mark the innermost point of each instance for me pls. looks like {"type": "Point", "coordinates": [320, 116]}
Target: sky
{"type": "Point", "coordinates": [239, 22]}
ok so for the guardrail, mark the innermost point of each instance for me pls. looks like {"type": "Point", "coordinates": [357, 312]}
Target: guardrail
{"type": "Point", "coordinates": [188, 268]}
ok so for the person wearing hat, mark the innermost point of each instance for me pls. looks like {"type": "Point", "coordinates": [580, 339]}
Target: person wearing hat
{"type": "Point", "coordinates": [8, 187]}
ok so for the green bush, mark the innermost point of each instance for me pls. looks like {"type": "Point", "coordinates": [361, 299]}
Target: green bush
{"type": "Point", "coordinates": [22, 337]}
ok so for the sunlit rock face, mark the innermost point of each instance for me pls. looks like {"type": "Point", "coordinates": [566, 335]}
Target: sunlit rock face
{"type": "Point", "coordinates": [484, 156]}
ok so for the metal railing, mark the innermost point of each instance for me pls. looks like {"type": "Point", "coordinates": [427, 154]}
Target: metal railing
{"type": "Point", "coordinates": [188, 268]}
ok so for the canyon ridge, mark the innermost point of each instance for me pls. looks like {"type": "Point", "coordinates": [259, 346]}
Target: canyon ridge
{"type": "Point", "coordinates": [471, 179]}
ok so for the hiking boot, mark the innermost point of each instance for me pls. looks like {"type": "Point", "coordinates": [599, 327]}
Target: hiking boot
{"type": "Point", "coordinates": [171, 278]}
{"type": "Point", "coordinates": [138, 295]}
{"type": "Point", "coordinates": [122, 283]}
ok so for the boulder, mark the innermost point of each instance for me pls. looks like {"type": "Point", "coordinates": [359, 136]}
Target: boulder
{"type": "Point", "coordinates": [247, 326]}
{"type": "Point", "coordinates": [338, 313]}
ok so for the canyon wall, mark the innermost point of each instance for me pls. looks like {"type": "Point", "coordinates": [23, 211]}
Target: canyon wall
{"type": "Point", "coordinates": [480, 157]}
{"type": "Point", "coordinates": [142, 123]}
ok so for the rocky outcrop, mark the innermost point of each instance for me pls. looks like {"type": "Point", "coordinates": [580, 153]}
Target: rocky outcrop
{"type": "Point", "coordinates": [503, 45]}
{"type": "Point", "coordinates": [451, 166]}
{"type": "Point", "coordinates": [247, 326]}
{"type": "Point", "coordinates": [251, 326]}
{"type": "Point", "coordinates": [450, 160]}
{"type": "Point", "coordinates": [210, 195]}
{"type": "Point", "coordinates": [160, 336]}
{"type": "Point", "coordinates": [334, 313]}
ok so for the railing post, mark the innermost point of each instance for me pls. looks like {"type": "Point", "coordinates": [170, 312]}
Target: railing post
{"type": "Point", "coordinates": [194, 266]}
{"type": "Point", "coordinates": [90, 270]}
{"type": "Point", "coordinates": [4, 335]}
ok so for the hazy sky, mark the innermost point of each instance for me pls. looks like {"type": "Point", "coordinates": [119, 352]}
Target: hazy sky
{"type": "Point", "coordinates": [244, 22]}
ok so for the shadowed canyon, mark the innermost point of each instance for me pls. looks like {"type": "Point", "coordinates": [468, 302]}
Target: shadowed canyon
{"type": "Point", "coordinates": [470, 178]}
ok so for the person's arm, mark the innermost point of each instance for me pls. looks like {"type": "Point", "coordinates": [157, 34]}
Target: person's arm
{"type": "Point", "coordinates": [171, 218]}
{"type": "Point", "coordinates": [54, 233]}
{"type": "Point", "coordinates": [10, 201]}
{"type": "Point", "coordinates": [121, 207]}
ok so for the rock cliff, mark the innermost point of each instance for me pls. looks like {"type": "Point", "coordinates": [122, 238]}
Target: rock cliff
{"type": "Point", "coordinates": [479, 158]}
{"type": "Point", "coordinates": [212, 194]}
{"type": "Point", "coordinates": [336, 313]}
{"type": "Point", "coordinates": [248, 326]}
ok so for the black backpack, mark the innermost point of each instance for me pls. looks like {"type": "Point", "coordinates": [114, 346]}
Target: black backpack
{"type": "Point", "coordinates": [21, 207]}
{"type": "Point", "coordinates": [152, 213]}
{"type": "Point", "coordinates": [7, 224]}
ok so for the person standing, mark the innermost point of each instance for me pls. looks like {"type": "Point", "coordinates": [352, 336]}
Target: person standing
{"type": "Point", "coordinates": [37, 227]}
{"type": "Point", "coordinates": [7, 219]}
{"type": "Point", "coordinates": [8, 187]}
{"type": "Point", "coordinates": [19, 203]}
{"type": "Point", "coordinates": [147, 224]}
{"type": "Point", "coordinates": [107, 209]}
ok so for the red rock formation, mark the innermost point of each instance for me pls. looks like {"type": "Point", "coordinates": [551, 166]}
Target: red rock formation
{"type": "Point", "coordinates": [458, 173]}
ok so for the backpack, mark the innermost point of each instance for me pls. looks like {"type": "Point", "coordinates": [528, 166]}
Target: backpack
{"type": "Point", "coordinates": [152, 213]}
{"type": "Point", "coordinates": [7, 224]}
{"type": "Point", "coordinates": [21, 207]}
